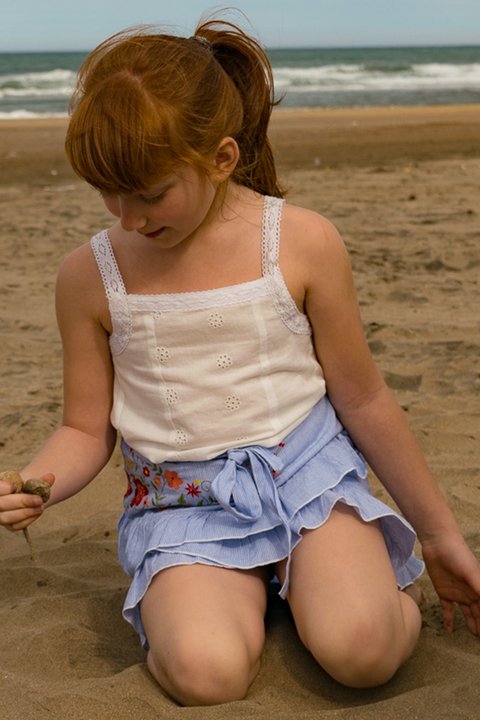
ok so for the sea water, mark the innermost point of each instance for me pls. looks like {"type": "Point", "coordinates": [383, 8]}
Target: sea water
{"type": "Point", "coordinates": [40, 84]}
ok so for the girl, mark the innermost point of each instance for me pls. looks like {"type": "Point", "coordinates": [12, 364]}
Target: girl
{"type": "Point", "coordinates": [216, 329]}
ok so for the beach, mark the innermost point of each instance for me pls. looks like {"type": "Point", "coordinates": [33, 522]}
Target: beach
{"type": "Point", "coordinates": [402, 186]}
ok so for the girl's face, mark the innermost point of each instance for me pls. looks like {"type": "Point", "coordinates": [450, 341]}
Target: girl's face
{"type": "Point", "coordinates": [169, 212]}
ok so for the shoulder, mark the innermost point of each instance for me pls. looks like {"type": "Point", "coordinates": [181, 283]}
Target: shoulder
{"type": "Point", "coordinates": [312, 243]}
{"type": "Point", "coordinates": [310, 230]}
{"type": "Point", "coordinates": [78, 268]}
{"type": "Point", "coordinates": [80, 286]}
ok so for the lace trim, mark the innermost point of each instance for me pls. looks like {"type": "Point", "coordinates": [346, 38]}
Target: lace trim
{"type": "Point", "coordinates": [115, 291]}
{"type": "Point", "coordinates": [200, 299]}
{"type": "Point", "coordinates": [284, 304]}
{"type": "Point", "coordinates": [121, 305]}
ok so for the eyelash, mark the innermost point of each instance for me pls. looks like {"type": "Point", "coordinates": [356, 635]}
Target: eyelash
{"type": "Point", "coordinates": [152, 200]}
{"type": "Point", "coordinates": [147, 200]}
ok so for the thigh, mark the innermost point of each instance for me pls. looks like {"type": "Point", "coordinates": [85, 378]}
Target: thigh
{"type": "Point", "coordinates": [345, 602]}
{"type": "Point", "coordinates": [199, 609]}
{"type": "Point", "coordinates": [341, 576]}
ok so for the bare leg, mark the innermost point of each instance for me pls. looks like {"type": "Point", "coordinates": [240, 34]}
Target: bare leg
{"type": "Point", "coordinates": [345, 602]}
{"type": "Point", "coordinates": [205, 628]}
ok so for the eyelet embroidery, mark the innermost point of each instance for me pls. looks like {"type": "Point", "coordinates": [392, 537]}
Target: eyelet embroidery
{"type": "Point", "coordinates": [233, 403]}
{"type": "Point", "coordinates": [163, 354]}
{"type": "Point", "coordinates": [271, 282]}
{"type": "Point", "coordinates": [216, 320]}
{"type": "Point", "coordinates": [224, 361]}
{"type": "Point", "coordinates": [171, 396]}
{"type": "Point", "coordinates": [180, 437]}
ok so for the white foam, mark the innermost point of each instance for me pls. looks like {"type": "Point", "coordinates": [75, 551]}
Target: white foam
{"type": "Point", "coordinates": [28, 115]}
{"type": "Point", "coordinates": [338, 78]}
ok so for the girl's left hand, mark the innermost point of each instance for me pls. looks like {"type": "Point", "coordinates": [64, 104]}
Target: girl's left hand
{"type": "Point", "coordinates": [455, 574]}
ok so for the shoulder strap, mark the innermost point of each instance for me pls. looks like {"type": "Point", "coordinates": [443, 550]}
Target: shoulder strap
{"type": "Point", "coordinates": [282, 300]}
{"type": "Point", "coordinates": [107, 265]}
{"type": "Point", "coordinates": [115, 292]}
{"type": "Point", "coordinates": [272, 215]}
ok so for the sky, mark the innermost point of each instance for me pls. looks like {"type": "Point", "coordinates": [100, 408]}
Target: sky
{"type": "Point", "coordinates": [82, 24]}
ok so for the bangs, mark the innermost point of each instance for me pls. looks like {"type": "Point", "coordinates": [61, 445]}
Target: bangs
{"type": "Point", "coordinates": [121, 143]}
{"type": "Point", "coordinates": [147, 104]}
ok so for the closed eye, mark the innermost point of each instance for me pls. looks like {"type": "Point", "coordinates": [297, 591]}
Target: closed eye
{"type": "Point", "coordinates": [152, 199]}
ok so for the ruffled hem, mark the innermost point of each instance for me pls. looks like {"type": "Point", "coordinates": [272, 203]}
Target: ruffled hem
{"type": "Point", "coordinates": [265, 499]}
{"type": "Point", "coordinates": [268, 547]}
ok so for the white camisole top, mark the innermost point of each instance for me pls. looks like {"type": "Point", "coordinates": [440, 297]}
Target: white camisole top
{"type": "Point", "coordinates": [198, 373]}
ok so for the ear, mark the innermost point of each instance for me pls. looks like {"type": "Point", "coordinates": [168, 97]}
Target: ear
{"type": "Point", "coordinates": [226, 159]}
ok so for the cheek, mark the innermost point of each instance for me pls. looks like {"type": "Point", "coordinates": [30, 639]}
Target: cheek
{"type": "Point", "coordinates": [112, 205]}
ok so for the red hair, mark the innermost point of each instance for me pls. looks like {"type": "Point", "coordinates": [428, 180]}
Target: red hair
{"type": "Point", "coordinates": [146, 103]}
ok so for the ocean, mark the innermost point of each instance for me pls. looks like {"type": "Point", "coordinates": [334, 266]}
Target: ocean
{"type": "Point", "coordinates": [39, 84]}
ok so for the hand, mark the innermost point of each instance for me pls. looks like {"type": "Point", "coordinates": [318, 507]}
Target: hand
{"type": "Point", "coordinates": [18, 510]}
{"type": "Point", "coordinates": [455, 574]}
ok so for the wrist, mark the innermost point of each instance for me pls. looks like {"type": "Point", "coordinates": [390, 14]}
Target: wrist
{"type": "Point", "coordinates": [436, 534]}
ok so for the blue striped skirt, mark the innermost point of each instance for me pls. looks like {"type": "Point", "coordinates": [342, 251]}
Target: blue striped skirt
{"type": "Point", "coordinates": [247, 507]}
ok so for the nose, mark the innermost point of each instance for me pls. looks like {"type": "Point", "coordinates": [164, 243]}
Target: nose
{"type": "Point", "coordinates": [132, 216]}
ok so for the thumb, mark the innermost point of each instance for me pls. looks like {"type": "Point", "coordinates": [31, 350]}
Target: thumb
{"type": "Point", "coordinates": [49, 478]}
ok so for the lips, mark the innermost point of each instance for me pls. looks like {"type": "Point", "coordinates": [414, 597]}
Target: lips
{"type": "Point", "coordinates": [155, 234]}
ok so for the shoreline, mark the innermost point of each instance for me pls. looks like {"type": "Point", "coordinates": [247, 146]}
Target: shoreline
{"type": "Point", "coordinates": [376, 113]}
{"type": "Point", "coordinates": [450, 109]}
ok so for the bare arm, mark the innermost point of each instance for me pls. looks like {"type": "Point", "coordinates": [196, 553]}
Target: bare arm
{"type": "Point", "coordinates": [363, 402]}
{"type": "Point", "coordinates": [377, 424]}
{"type": "Point", "coordinates": [78, 450]}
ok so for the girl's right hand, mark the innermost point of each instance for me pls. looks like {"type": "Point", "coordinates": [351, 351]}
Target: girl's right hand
{"type": "Point", "coordinates": [19, 510]}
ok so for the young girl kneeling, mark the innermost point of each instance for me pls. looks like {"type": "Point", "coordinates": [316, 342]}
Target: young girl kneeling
{"type": "Point", "coordinates": [216, 329]}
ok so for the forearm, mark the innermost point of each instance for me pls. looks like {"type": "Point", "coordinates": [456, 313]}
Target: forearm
{"type": "Point", "coordinates": [74, 457]}
{"type": "Point", "coordinates": [379, 429]}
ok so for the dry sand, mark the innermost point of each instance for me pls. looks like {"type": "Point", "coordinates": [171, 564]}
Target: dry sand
{"type": "Point", "coordinates": [402, 187]}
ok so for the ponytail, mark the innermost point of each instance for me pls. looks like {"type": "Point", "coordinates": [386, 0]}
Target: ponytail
{"type": "Point", "coordinates": [247, 65]}
{"type": "Point", "coordinates": [147, 102]}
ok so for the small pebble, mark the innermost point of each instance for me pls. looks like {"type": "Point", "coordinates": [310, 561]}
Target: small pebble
{"type": "Point", "coordinates": [14, 478]}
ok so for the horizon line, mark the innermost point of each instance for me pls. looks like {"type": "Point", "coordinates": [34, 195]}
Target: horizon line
{"type": "Point", "coordinates": [396, 46]}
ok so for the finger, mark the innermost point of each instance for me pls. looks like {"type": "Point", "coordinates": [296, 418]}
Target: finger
{"type": "Point", "coordinates": [14, 518]}
{"type": "Point", "coordinates": [469, 618]}
{"type": "Point", "coordinates": [49, 477]}
{"type": "Point", "coordinates": [474, 611]}
{"type": "Point", "coordinates": [6, 488]}
{"type": "Point", "coordinates": [448, 613]}
{"type": "Point", "coordinates": [475, 608]}
{"type": "Point", "coordinates": [472, 617]}
{"type": "Point", "coordinates": [17, 501]}
{"type": "Point", "coordinates": [24, 524]}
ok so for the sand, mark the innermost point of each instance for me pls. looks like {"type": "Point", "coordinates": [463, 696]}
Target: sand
{"type": "Point", "coordinates": [402, 186]}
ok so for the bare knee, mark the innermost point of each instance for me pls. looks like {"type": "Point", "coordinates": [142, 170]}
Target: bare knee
{"type": "Point", "coordinates": [203, 675]}
{"type": "Point", "coordinates": [360, 657]}
{"type": "Point", "coordinates": [364, 651]}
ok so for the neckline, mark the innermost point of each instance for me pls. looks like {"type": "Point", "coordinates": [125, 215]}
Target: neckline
{"type": "Point", "coordinates": [260, 281]}
{"type": "Point", "coordinates": [258, 284]}
{"type": "Point", "coordinates": [237, 288]}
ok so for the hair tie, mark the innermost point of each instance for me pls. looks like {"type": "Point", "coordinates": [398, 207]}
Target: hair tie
{"type": "Point", "coordinates": [203, 41]}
